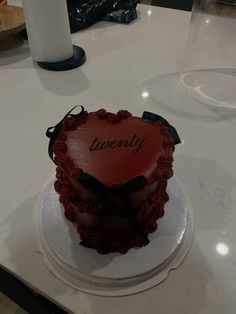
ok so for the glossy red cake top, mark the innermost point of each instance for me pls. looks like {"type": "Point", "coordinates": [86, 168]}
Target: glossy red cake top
{"type": "Point", "coordinates": [114, 148]}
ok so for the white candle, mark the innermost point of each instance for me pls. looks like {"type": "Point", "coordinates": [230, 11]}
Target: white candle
{"type": "Point", "coordinates": [48, 30]}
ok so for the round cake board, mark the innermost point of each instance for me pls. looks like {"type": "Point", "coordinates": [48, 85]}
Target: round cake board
{"type": "Point", "coordinates": [112, 274]}
{"type": "Point", "coordinates": [11, 21]}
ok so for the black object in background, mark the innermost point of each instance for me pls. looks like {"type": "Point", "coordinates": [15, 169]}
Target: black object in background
{"type": "Point", "coordinates": [84, 13]}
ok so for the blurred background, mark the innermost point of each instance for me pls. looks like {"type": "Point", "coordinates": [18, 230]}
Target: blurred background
{"type": "Point", "coordinates": [174, 4]}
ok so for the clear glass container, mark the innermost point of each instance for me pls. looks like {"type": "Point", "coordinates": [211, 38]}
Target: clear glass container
{"type": "Point", "coordinates": [208, 71]}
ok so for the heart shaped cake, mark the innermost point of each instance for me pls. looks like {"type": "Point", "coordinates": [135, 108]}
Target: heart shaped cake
{"type": "Point", "coordinates": [111, 175]}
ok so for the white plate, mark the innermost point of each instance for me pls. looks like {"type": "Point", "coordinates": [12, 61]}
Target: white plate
{"type": "Point", "coordinates": [114, 273]}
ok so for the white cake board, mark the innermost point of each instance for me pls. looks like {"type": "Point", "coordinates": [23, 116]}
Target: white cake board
{"type": "Point", "coordinates": [112, 274]}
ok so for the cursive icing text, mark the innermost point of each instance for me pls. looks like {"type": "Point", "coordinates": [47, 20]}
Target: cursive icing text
{"type": "Point", "coordinates": [134, 142]}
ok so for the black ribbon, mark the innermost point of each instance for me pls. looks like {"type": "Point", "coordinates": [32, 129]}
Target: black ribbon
{"type": "Point", "coordinates": [94, 185]}
{"type": "Point", "coordinates": [154, 117]}
{"type": "Point", "coordinates": [133, 218]}
{"type": "Point", "coordinates": [53, 132]}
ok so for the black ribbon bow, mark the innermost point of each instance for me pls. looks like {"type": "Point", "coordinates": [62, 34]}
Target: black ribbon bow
{"type": "Point", "coordinates": [154, 117]}
{"type": "Point", "coordinates": [53, 131]}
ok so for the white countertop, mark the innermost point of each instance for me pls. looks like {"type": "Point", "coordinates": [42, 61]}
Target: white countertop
{"type": "Point", "coordinates": [120, 59]}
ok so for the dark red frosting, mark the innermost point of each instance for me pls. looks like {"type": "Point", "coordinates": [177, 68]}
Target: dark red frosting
{"type": "Point", "coordinates": [114, 149]}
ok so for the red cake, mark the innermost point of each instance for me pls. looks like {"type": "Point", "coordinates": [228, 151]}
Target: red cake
{"type": "Point", "coordinates": [111, 175]}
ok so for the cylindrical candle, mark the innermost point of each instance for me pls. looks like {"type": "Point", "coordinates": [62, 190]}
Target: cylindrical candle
{"type": "Point", "coordinates": [48, 30]}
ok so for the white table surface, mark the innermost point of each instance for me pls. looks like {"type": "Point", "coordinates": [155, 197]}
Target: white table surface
{"type": "Point", "coordinates": [120, 58]}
